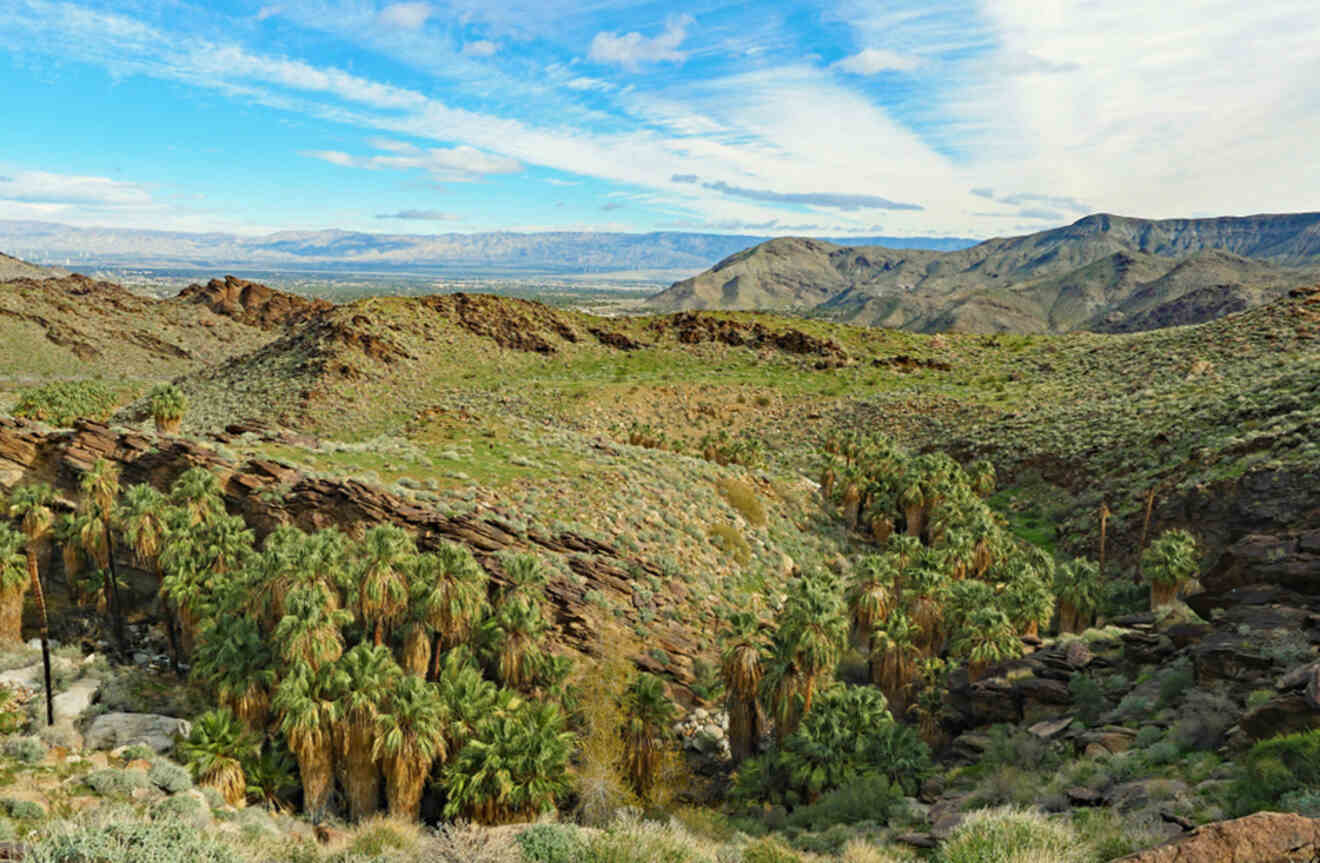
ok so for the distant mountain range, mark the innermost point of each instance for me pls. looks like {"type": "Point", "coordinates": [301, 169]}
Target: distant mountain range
{"type": "Point", "coordinates": [1102, 273]}
{"type": "Point", "coordinates": [565, 252]}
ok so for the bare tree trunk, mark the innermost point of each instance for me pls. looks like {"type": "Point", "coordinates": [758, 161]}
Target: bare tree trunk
{"type": "Point", "coordinates": [1145, 525]}
{"type": "Point", "coordinates": [1104, 524]}
{"type": "Point", "coordinates": [112, 594]}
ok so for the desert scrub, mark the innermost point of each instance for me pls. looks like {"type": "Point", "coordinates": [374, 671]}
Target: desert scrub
{"type": "Point", "coordinates": [1009, 835]}
{"type": "Point", "coordinates": [742, 497]}
{"type": "Point", "coordinates": [169, 777]}
{"type": "Point", "coordinates": [183, 807]}
{"type": "Point", "coordinates": [1277, 768]}
{"type": "Point", "coordinates": [26, 750]}
{"type": "Point", "coordinates": [110, 781]}
{"type": "Point", "coordinates": [552, 843]}
{"type": "Point", "coordinates": [123, 837]}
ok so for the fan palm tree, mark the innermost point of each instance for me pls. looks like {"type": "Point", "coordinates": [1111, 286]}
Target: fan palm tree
{"type": "Point", "coordinates": [307, 717]}
{"type": "Point", "coordinates": [988, 638]}
{"type": "Point", "coordinates": [648, 716]}
{"type": "Point", "coordinates": [215, 750]}
{"type": "Point", "coordinates": [13, 585]}
{"type": "Point", "coordinates": [448, 600]}
{"type": "Point", "coordinates": [894, 654]}
{"type": "Point", "coordinates": [30, 505]}
{"type": "Point", "coordinates": [235, 661]}
{"type": "Point", "coordinates": [197, 492]}
{"type": "Point", "coordinates": [384, 558]}
{"type": "Point", "coordinates": [1170, 562]}
{"type": "Point", "coordinates": [142, 516]}
{"type": "Point", "coordinates": [200, 560]}
{"type": "Point", "coordinates": [168, 405]}
{"type": "Point", "coordinates": [1078, 588]}
{"type": "Point", "coordinates": [100, 488]}
{"type": "Point", "coordinates": [363, 680]}
{"type": "Point", "coordinates": [410, 738]}
{"type": "Point", "coordinates": [514, 769]}
{"type": "Point", "coordinates": [870, 597]}
{"type": "Point", "coordinates": [740, 666]}
{"type": "Point", "coordinates": [514, 633]}
{"type": "Point", "coordinates": [805, 648]}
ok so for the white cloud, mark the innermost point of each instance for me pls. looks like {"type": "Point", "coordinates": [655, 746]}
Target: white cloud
{"type": "Point", "coordinates": [480, 48]}
{"type": "Point", "coordinates": [421, 215]}
{"type": "Point", "coordinates": [226, 62]}
{"type": "Point", "coordinates": [632, 50]}
{"type": "Point", "coordinates": [443, 163]}
{"type": "Point", "coordinates": [268, 12]}
{"type": "Point", "coordinates": [41, 187]}
{"type": "Point", "coordinates": [406, 16]}
{"type": "Point", "coordinates": [873, 61]}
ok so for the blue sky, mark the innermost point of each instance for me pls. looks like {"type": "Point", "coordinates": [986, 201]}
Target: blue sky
{"type": "Point", "coordinates": [837, 117]}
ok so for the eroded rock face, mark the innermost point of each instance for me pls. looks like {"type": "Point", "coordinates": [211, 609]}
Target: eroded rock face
{"type": "Point", "coordinates": [1265, 837]}
{"type": "Point", "coordinates": [252, 303]}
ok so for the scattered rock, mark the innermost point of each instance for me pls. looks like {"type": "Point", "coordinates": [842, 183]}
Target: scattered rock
{"type": "Point", "coordinates": [1283, 714]}
{"type": "Point", "coordinates": [120, 729]}
{"type": "Point", "coordinates": [1051, 728]}
{"type": "Point", "coordinates": [917, 840]}
{"type": "Point", "coordinates": [1082, 796]}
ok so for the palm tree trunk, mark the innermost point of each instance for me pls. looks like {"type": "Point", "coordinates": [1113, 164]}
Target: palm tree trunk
{"type": "Point", "coordinates": [170, 631]}
{"type": "Point", "coordinates": [315, 769]}
{"type": "Point", "coordinates": [405, 777]}
{"type": "Point", "coordinates": [362, 776]}
{"type": "Point", "coordinates": [1145, 525]}
{"type": "Point", "coordinates": [434, 675]}
{"type": "Point", "coordinates": [39, 595]}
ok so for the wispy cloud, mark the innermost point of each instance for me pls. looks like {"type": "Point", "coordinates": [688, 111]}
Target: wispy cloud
{"type": "Point", "coordinates": [633, 50]}
{"type": "Point", "coordinates": [421, 215]}
{"type": "Point", "coordinates": [42, 187]}
{"type": "Point", "coordinates": [452, 163]}
{"type": "Point", "coordinates": [406, 16]}
{"type": "Point", "coordinates": [873, 61]}
{"type": "Point", "coordinates": [480, 48]}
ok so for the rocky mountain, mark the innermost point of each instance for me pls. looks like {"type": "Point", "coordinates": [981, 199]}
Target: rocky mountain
{"type": "Point", "coordinates": [554, 251]}
{"type": "Point", "coordinates": [1103, 273]}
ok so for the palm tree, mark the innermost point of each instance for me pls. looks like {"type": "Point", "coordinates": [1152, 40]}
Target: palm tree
{"type": "Point", "coordinates": [741, 669]}
{"type": "Point", "coordinates": [913, 501]}
{"type": "Point", "coordinates": [514, 632]}
{"type": "Point", "coordinates": [197, 492]}
{"type": "Point", "coordinates": [384, 557]}
{"type": "Point", "coordinates": [514, 769]}
{"type": "Point", "coordinates": [215, 750]}
{"type": "Point", "coordinates": [235, 661]}
{"type": "Point", "coordinates": [411, 734]}
{"type": "Point", "coordinates": [363, 680]}
{"type": "Point", "coordinates": [648, 716]}
{"type": "Point", "coordinates": [13, 585]}
{"type": "Point", "coordinates": [200, 560]}
{"type": "Point", "coordinates": [805, 648]}
{"type": "Point", "coordinates": [168, 405]}
{"type": "Point", "coordinates": [100, 488]}
{"type": "Point", "coordinates": [989, 637]}
{"type": "Point", "coordinates": [870, 597]}
{"type": "Point", "coordinates": [307, 717]}
{"type": "Point", "coordinates": [142, 516]}
{"type": "Point", "coordinates": [448, 600]}
{"type": "Point", "coordinates": [1170, 562]}
{"type": "Point", "coordinates": [30, 504]}
{"type": "Point", "coordinates": [894, 654]}
{"type": "Point", "coordinates": [1078, 588]}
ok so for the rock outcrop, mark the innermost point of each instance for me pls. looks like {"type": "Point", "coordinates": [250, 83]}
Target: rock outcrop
{"type": "Point", "coordinates": [1264, 837]}
{"type": "Point", "coordinates": [252, 303]}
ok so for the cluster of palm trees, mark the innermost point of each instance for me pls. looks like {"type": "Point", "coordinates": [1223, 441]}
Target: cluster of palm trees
{"type": "Point", "coordinates": [382, 667]}
{"type": "Point", "coordinates": [949, 584]}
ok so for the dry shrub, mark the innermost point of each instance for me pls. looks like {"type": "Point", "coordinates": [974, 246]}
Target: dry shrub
{"type": "Point", "coordinates": [861, 851]}
{"type": "Point", "coordinates": [733, 542]}
{"type": "Point", "coordinates": [461, 842]}
{"type": "Point", "coordinates": [601, 783]}
{"type": "Point", "coordinates": [742, 497]}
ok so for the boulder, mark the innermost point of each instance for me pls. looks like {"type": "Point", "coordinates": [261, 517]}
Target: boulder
{"type": "Point", "coordinates": [112, 730]}
{"type": "Point", "coordinates": [1051, 728]}
{"type": "Point", "coordinates": [73, 702]}
{"type": "Point", "coordinates": [1264, 837]}
{"type": "Point", "coordinates": [1113, 738]}
{"type": "Point", "coordinates": [1283, 714]}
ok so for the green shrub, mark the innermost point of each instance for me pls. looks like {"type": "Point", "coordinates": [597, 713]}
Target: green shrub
{"type": "Point", "coordinates": [1259, 697]}
{"type": "Point", "coordinates": [870, 798]}
{"type": "Point", "coordinates": [23, 808]}
{"type": "Point", "coordinates": [769, 850]}
{"type": "Point", "coordinates": [1203, 720]}
{"type": "Point", "coordinates": [1274, 769]}
{"type": "Point", "coordinates": [183, 807]}
{"type": "Point", "coordinates": [1087, 698]}
{"type": "Point", "coordinates": [125, 840]}
{"type": "Point", "coordinates": [110, 781]}
{"type": "Point", "coordinates": [1175, 680]}
{"type": "Point", "coordinates": [62, 402]}
{"type": "Point", "coordinates": [1016, 747]}
{"type": "Point", "coordinates": [139, 751]}
{"type": "Point", "coordinates": [1149, 735]}
{"type": "Point", "coordinates": [1012, 836]}
{"type": "Point", "coordinates": [28, 750]}
{"type": "Point", "coordinates": [552, 843]}
{"type": "Point", "coordinates": [170, 777]}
